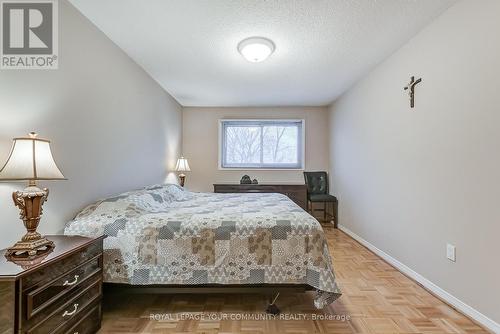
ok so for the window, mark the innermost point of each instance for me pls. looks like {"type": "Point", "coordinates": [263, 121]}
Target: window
{"type": "Point", "coordinates": [265, 144]}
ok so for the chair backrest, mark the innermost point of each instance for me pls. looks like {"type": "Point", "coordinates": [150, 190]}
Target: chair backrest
{"type": "Point", "coordinates": [316, 182]}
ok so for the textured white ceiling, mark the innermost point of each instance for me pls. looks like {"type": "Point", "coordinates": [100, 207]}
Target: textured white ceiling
{"type": "Point", "coordinates": [322, 46]}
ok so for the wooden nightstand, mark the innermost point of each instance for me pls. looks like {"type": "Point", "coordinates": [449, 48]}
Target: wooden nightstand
{"type": "Point", "coordinates": [60, 292]}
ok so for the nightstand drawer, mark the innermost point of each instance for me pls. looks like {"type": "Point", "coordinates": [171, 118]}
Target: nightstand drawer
{"type": "Point", "coordinates": [37, 300]}
{"type": "Point", "coordinates": [48, 274]}
{"type": "Point", "coordinates": [71, 310]}
{"type": "Point", "coordinates": [88, 324]}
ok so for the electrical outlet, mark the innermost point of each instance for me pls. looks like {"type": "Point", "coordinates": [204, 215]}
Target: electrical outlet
{"type": "Point", "coordinates": [451, 252]}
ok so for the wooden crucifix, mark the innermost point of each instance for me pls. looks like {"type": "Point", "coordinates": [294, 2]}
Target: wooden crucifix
{"type": "Point", "coordinates": [411, 90]}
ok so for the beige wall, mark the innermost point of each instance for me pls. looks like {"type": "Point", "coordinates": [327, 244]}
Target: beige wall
{"type": "Point", "coordinates": [411, 180]}
{"type": "Point", "coordinates": [112, 127]}
{"type": "Point", "coordinates": [200, 144]}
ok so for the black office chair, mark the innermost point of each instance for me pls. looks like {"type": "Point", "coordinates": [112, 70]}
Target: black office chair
{"type": "Point", "coordinates": [317, 192]}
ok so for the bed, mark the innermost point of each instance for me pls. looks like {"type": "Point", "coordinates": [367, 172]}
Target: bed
{"type": "Point", "coordinates": [164, 235]}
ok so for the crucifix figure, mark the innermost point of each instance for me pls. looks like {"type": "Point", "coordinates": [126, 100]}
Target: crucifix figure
{"type": "Point", "coordinates": [411, 90]}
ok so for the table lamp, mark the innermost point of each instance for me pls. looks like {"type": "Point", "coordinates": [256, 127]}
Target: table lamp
{"type": "Point", "coordinates": [30, 159]}
{"type": "Point", "coordinates": [182, 166]}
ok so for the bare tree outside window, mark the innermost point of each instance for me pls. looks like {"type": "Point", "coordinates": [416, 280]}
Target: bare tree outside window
{"type": "Point", "coordinates": [242, 145]}
{"type": "Point", "coordinates": [280, 144]}
{"type": "Point", "coordinates": [261, 144]}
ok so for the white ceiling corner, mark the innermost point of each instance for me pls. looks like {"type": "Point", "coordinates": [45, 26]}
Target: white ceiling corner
{"type": "Point", "coordinates": [322, 46]}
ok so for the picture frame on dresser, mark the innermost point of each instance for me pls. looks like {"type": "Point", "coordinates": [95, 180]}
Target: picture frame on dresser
{"type": "Point", "coordinates": [56, 292]}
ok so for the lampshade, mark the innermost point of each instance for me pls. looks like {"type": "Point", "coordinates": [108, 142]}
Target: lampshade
{"type": "Point", "coordinates": [182, 165]}
{"type": "Point", "coordinates": [30, 159]}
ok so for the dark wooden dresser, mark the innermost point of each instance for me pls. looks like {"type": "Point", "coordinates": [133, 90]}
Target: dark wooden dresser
{"type": "Point", "coordinates": [296, 192]}
{"type": "Point", "coordinates": [59, 292]}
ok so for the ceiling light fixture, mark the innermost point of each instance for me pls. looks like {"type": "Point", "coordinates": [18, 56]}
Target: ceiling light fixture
{"type": "Point", "coordinates": [256, 49]}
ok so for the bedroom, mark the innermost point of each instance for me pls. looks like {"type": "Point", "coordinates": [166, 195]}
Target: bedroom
{"type": "Point", "coordinates": [130, 87]}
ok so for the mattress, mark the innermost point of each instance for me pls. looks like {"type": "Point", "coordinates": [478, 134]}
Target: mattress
{"type": "Point", "coordinates": [167, 235]}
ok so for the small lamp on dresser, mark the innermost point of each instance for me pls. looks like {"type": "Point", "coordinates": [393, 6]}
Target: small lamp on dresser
{"type": "Point", "coordinates": [182, 166]}
{"type": "Point", "coordinates": [31, 160]}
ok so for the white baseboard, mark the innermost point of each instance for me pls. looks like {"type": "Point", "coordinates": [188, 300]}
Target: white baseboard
{"type": "Point", "coordinates": [445, 296]}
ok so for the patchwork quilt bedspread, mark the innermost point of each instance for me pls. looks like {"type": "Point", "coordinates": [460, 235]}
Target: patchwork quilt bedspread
{"type": "Point", "coordinates": [166, 235]}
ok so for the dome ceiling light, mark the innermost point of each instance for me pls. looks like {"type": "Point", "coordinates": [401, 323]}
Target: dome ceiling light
{"type": "Point", "coordinates": [256, 49]}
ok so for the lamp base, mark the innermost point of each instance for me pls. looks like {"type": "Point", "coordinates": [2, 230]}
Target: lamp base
{"type": "Point", "coordinates": [25, 249]}
{"type": "Point", "coordinates": [30, 202]}
{"type": "Point", "coordinates": [182, 179]}
{"type": "Point", "coordinates": [30, 261]}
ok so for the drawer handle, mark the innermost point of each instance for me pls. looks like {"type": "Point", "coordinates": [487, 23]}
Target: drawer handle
{"type": "Point", "coordinates": [67, 283]}
{"type": "Point", "coordinates": [66, 313]}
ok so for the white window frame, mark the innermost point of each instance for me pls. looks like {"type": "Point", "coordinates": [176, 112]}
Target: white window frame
{"type": "Point", "coordinates": [302, 144]}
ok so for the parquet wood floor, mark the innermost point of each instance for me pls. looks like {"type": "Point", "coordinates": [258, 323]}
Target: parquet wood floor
{"type": "Point", "coordinates": [377, 298]}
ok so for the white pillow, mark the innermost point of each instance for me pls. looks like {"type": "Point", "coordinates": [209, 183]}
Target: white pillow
{"type": "Point", "coordinates": [177, 192]}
